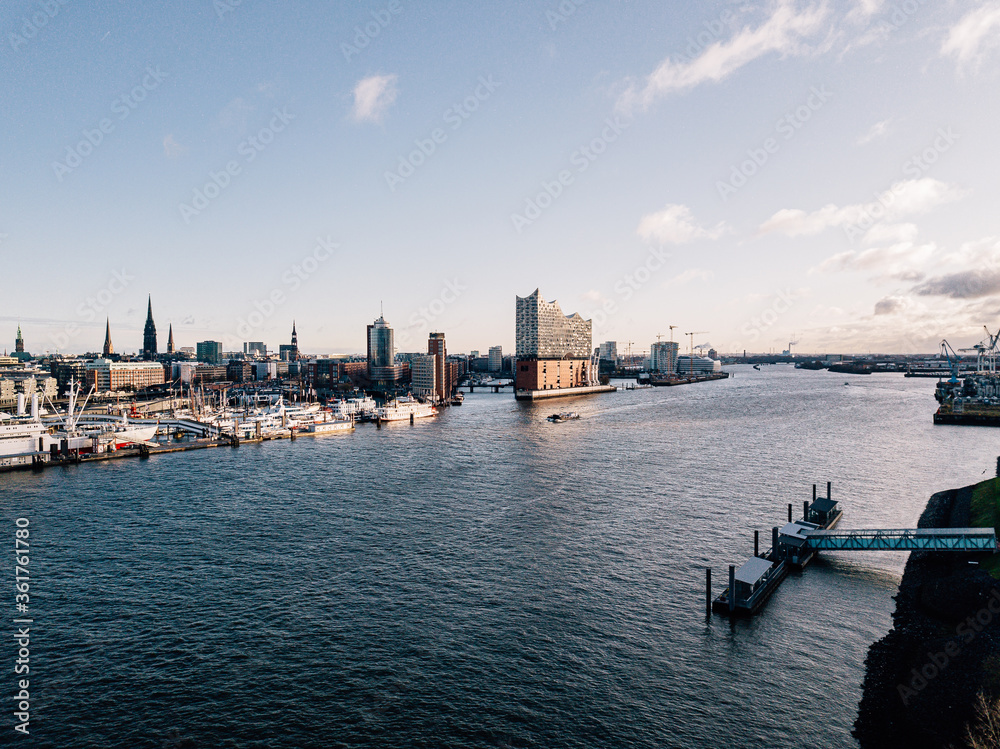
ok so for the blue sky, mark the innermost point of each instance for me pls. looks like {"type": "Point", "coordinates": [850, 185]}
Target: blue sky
{"type": "Point", "coordinates": [815, 171]}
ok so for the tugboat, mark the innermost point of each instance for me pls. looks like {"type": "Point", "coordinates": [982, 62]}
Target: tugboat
{"type": "Point", "coordinates": [457, 399]}
{"type": "Point", "coordinates": [563, 416]}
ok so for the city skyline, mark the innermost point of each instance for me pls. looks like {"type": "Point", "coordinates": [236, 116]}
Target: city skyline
{"type": "Point", "coordinates": [821, 171]}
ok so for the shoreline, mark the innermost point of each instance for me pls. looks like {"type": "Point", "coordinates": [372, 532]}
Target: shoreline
{"type": "Point", "coordinates": [922, 677]}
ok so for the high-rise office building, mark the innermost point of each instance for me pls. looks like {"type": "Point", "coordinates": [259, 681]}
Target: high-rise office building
{"type": "Point", "coordinates": [209, 352]}
{"type": "Point", "coordinates": [609, 351]}
{"type": "Point", "coordinates": [496, 358]}
{"type": "Point", "coordinates": [663, 357]}
{"type": "Point", "coordinates": [255, 348]}
{"type": "Point", "coordinates": [149, 333]}
{"type": "Point", "coordinates": [436, 346]}
{"type": "Point", "coordinates": [381, 352]}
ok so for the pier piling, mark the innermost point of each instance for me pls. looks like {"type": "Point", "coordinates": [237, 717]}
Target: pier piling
{"type": "Point", "coordinates": [732, 589]}
{"type": "Point", "coordinates": [708, 590]}
{"type": "Point", "coordinates": [805, 510]}
{"type": "Point", "coordinates": [774, 543]}
{"type": "Point", "coordinates": [814, 492]}
{"type": "Point", "coordinates": [828, 485]}
{"type": "Point", "coordinates": [789, 512]}
{"type": "Point", "coordinates": [756, 543]}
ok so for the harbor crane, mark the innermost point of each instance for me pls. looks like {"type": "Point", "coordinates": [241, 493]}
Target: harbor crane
{"type": "Point", "coordinates": [953, 359]}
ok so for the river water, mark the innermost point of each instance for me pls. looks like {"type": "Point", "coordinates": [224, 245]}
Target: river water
{"type": "Point", "coordinates": [486, 578]}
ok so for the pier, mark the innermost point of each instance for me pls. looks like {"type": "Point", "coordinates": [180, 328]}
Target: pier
{"type": "Point", "coordinates": [795, 544]}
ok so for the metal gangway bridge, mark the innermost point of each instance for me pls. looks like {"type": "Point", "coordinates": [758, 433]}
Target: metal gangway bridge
{"type": "Point", "coordinates": [906, 539]}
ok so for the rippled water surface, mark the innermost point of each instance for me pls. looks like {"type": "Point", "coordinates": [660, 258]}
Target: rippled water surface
{"type": "Point", "coordinates": [485, 578]}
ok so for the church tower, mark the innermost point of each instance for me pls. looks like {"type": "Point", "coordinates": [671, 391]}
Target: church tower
{"type": "Point", "coordinates": [108, 348]}
{"type": "Point", "coordinates": [149, 334]}
{"type": "Point", "coordinates": [170, 340]}
{"type": "Point", "coordinates": [19, 342]}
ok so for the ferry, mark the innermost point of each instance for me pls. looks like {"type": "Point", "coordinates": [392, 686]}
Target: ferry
{"type": "Point", "coordinates": [400, 410]}
{"type": "Point", "coordinates": [328, 427]}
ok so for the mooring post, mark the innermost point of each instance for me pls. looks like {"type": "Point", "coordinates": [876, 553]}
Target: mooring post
{"type": "Point", "coordinates": [814, 492]}
{"type": "Point", "coordinates": [774, 545]}
{"type": "Point", "coordinates": [708, 590]}
{"type": "Point", "coordinates": [828, 485]}
{"type": "Point", "coordinates": [732, 588]}
{"type": "Point", "coordinates": [789, 512]}
{"type": "Point", "coordinates": [805, 510]}
{"type": "Point", "coordinates": [756, 543]}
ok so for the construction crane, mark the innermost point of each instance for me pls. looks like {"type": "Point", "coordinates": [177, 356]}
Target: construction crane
{"type": "Point", "coordinates": [672, 333]}
{"type": "Point", "coordinates": [691, 360]}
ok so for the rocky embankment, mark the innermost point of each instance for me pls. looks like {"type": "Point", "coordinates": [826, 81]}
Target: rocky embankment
{"type": "Point", "coordinates": [923, 676]}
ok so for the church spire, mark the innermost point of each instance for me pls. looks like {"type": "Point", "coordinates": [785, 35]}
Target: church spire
{"type": "Point", "coordinates": [108, 348]}
{"type": "Point", "coordinates": [149, 333]}
{"type": "Point", "coordinates": [170, 340]}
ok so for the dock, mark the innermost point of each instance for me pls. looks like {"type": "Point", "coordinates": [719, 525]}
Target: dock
{"type": "Point", "coordinates": [796, 543]}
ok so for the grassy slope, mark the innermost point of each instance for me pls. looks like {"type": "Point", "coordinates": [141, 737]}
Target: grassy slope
{"type": "Point", "coordinates": [985, 513]}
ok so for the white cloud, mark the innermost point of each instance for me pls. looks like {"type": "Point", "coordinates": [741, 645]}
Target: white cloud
{"type": "Point", "coordinates": [904, 198]}
{"type": "Point", "coordinates": [974, 36]}
{"type": "Point", "coordinates": [373, 96]}
{"type": "Point", "coordinates": [691, 274]}
{"type": "Point", "coordinates": [782, 33]}
{"type": "Point", "coordinates": [876, 131]}
{"type": "Point", "coordinates": [890, 233]}
{"type": "Point", "coordinates": [675, 225]}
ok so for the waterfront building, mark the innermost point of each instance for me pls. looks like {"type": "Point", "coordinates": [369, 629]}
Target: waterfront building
{"type": "Point", "coordinates": [496, 358]}
{"type": "Point", "coordinates": [28, 382]}
{"type": "Point", "coordinates": [381, 350]}
{"type": "Point", "coordinates": [553, 350]}
{"type": "Point", "coordinates": [209, 352]}
{"type": "Point", "coordinates": [105, 375]}
{"type": "Point", "coordinates": [687, 364]}
{"type": "Point", "coordinates": [109, 350]}
{"type": "Point", "coordinates": [423, 376]}
{"type": "Point", "coordinates": [383, 372]}
{"type": "Point", "coordinates": [663, 357]}
{"type": "Point", "coordinates": [445, 384]}
{"type": "Point", "coordinates": [149, 333]}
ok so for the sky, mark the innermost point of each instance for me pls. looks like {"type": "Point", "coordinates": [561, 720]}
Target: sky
{"type": "Point", "coordinates": [815, 172]}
